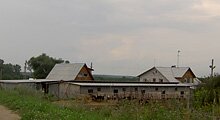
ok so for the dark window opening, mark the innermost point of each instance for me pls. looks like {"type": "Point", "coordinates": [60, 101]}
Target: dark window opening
{"type": "Point", "coordinates": [154, 79]}
{"type": "Point", "coordinates": [90, 90]}
{"type": "Point", "coordinates": [164, 92]}
{"type": "Point", "coordinates": [124, 89]}
{"type": "Point", "coordinates": [182, 92]}
{"type": "Point", "coordinates": [135, 89]}
{"type": "Point", "coordinates": [161, 80]}
{"type": "Point", "coordinates": [156, 89]}
{"type": "Point", "coordinates": [176, 88]}
{"type": "Point", "coordinates": [142, 91]}
{"type": "Point", "coordinates": [115, 91]}
{"type": "Point", "coordinates": [85, 75]}
{"type": "Point", "coordinates": [98, 89]}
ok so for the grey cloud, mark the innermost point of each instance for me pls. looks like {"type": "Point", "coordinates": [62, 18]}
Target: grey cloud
{"type": "Point", "coordinates": [97, 31]}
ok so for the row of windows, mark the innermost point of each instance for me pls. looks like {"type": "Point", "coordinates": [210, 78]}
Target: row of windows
{"type": "Point", "coordinates": [124, 89]}
{"type": "Point", "coordinates": [154, 80]}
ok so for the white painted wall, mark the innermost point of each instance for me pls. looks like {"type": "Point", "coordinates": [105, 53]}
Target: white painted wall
{"type": "Point", "coordinates": [152, 74]}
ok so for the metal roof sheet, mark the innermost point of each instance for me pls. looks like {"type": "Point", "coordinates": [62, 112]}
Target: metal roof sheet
{"type": "Point", "coordinates": [131, 84]}
{"type": "Point", "coordinates": [167, 73]}
{"type": "Point", "coordinates": [171, 73]}
{"type": "Point", "coordinates": [28, 81]}
{"type": "Point", "coordinates": [179, 71]}
{"type": "Point", "coordinates": [65, 71]}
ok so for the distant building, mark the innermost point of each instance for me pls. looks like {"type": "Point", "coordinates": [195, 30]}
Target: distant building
{"type": "Point", "coordinates": [66, 81]}
{"type": "Point", "coordinates": [169, 74]}
{"type": "Point", "coordinates": [75, 71]}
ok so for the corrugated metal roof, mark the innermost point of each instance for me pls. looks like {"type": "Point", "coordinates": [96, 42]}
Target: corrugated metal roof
{"type": "Point", "coordinates": [65, 71]}
{"type": "Point", "coordinates": [131, 84]}
{"type": "Point", "coordinates": [167, 73]}
{"type": "Point", "coordinates": [29, 81]}
{"type": "Point", "coordinates": [171, 73]}
{"type": "Point", "coordinates": [179, 71]}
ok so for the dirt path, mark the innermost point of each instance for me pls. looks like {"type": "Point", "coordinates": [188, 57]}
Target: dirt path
{"type": "Point", "coordinates": [6, 114]}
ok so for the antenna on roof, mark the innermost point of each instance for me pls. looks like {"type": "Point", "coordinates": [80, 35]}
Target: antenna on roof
{"type": "Point", "coordinates": [91, 65]}
{"type": "Point", "coordinates": [154, 62]}
{"type": "Point", "coordinates": [178, 58]}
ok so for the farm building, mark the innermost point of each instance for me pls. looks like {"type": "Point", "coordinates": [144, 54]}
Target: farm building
{"type": "Point", "coordinates": [39, 84]}
{"type": "Point", "coordinates": [170, 74]}
{"type": "Point", "coordinates": [76, 71]}
{"type": "Point", "coordinates": [67, 81]}
{"type": "Point", "coordinates": [107, 90]}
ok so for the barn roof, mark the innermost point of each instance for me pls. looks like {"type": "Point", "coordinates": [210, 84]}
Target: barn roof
{"type": "Point", "coordinates": [171, 73]}
{"type": "Point", "coordinates": [32, 81]}
{"type": "Point", "coordinates": [65, 71]}
{"type": "Point", "coordinates": [130, 84]}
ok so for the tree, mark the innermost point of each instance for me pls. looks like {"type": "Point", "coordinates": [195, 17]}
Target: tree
{"type": "Point", "coordinates": [1, 67]}
{"type": "Point", "coordinates": [11, 72]}
{"type": "Point", "coordinates": [42, 65]}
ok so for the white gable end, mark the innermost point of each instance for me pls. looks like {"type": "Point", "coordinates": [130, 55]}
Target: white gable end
{"type": "Point", "coordinates": [153, 76]}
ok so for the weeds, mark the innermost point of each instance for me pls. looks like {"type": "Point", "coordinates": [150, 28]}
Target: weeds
{"type": "Point", "coordinates": [32, 105]}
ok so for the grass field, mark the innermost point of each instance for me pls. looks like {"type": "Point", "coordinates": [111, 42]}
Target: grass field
{"type": "Point", "coordinates": [35, 106]}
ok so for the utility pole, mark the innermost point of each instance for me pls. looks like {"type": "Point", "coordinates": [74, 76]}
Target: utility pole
{"type": "Point", "coordinates": [212, 67]}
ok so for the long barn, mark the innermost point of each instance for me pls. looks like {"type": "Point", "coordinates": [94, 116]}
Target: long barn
{"type": "Point", "coordinates": [117, 90]}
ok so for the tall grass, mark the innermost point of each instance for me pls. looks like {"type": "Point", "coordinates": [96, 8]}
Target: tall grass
{"type": "Point", "coordinates": [33, 105]}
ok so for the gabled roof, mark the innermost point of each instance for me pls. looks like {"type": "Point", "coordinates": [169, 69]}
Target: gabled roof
{"type": "Point", "coordinates": [167, 73]}
{"type": "Point", "coordinates": [65, 71]}
{"type": "Point", "coordinates": [171, 73]}
{"type": "Point", "coordinates": [176, 72]}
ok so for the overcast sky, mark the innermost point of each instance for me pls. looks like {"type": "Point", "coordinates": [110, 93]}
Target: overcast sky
{"type": "Point", "coordinates": [124, 37]}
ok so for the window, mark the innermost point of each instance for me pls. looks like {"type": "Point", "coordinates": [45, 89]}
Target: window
{"type": "Point", "coordinates": [156, 89]}
{"type": "Point", "coordinates": [85, 75]}
{"type": "Point", "coordinates": [182, 92]}
{"type": "Point", "coordinates": [115, 91]}
{"type": "Point", "coordinates": [154, 79]}
{"type": "Point", "coordinates": [135, 89]}
{"type": "Point", "coordinates": [142, 91]}
{"type": "Point", "coordinates": [164, 92]}
{"type": "Point", "coordinates": [185, 80]}
{"type": "Point", "coordinates": [145, 80]}
{"type": "Point", "coordinates": [161, 80]}
{"type": "Point", "coordinates": [90, 90]}
{"type": "Point", "coordinates": [176, 88]}
{"type": "Point", "coordinates": [98, 89]}
{"type": "Point", "coordinates": [124, 89]}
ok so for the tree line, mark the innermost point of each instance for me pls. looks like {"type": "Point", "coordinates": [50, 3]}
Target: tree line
{"type": "Point", "coordinates": [38, 67]}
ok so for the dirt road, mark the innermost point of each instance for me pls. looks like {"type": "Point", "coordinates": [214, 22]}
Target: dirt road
{"type": "Point", "coordinates": [6, 114]}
